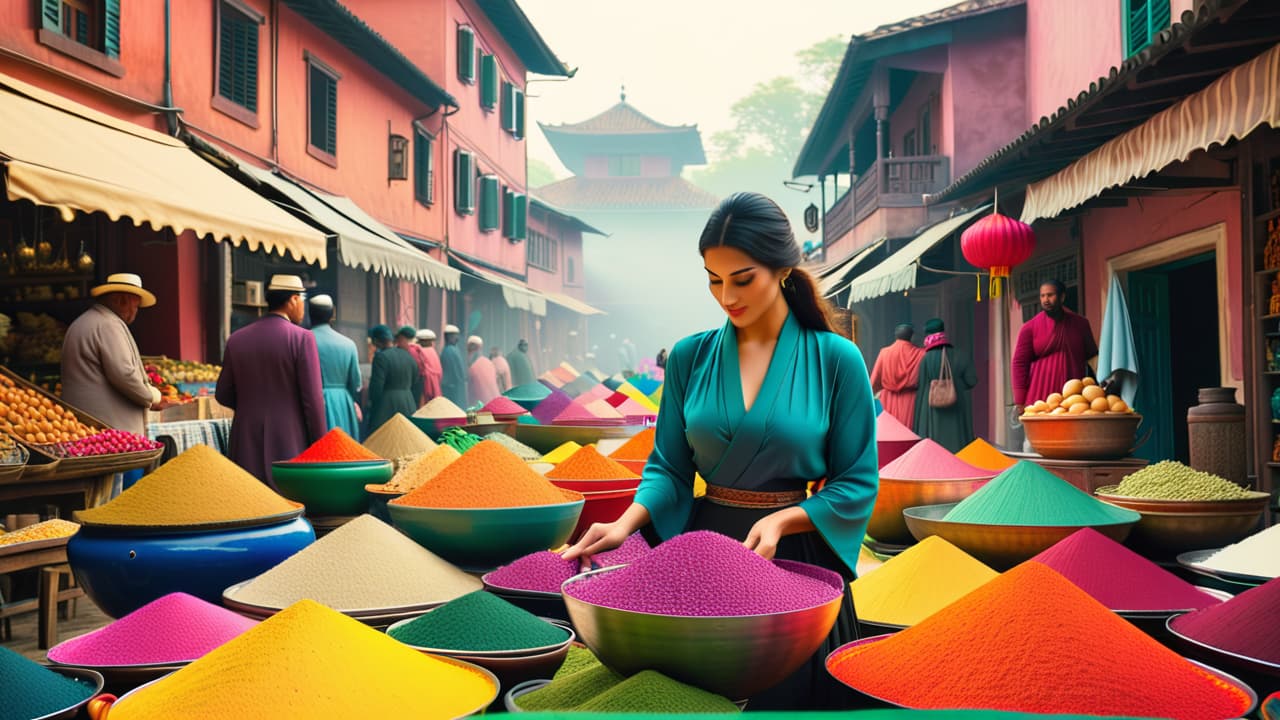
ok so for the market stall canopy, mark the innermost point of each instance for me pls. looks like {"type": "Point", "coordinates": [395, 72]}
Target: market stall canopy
{"type": "Point", "coordinates": [574, 304]}
{"type": "Point", "coordinates": [64, 155]}
{"type": "Point", "coordinates": [363, 242]}
{"type": "Point", "coordinates": [835, 279]}
{"type": "Point", "coordinates": [1232, 107]}
{"type": "Point", "coordinates": [898, 271]}
{"type": "Point", "coordinates": [516, 295]}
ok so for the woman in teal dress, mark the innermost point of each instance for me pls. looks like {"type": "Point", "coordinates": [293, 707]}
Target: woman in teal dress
{"type": "Point", "coordinates": [761, 407]}
{"type": "Point", "coordinates": [394, 381]}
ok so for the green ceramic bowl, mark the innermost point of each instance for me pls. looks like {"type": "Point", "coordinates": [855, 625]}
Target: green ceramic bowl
{"type": "Point", "coordinates": [330, 488]}
{"type": "Point", "coordinates": [433, 427]}
{"type": "Point", "coordinates": [482, 539]}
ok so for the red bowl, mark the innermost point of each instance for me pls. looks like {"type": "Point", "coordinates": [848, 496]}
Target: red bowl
{"type": "Point", "coordinates": [635, 466]}
{"type": "Point", "coordinates": [602, 507]}
{"type": "Point", "coordinates": [590, 486]}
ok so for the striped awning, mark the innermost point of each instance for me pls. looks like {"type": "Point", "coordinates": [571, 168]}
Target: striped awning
{"type": "Point", "coordinates": [835, 279]}
{"type": "Point", "coordinates": [517, 295]}
{"type": "Point", "coordinates": [574, 304]}
{"type": "Point", "coordinates": [898, 271]}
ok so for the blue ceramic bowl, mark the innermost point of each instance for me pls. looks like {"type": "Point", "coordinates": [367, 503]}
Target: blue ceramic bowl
{"type": "Point", "coordinates": [482, 539]}
{"type": "Point", "coordinates": [122, 569]}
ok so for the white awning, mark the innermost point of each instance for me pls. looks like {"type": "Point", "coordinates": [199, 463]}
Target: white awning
{"type": "Point", "coordinates": [64, 155]}
{"type": "Point", "coordinates": [573, 303]}
{"type": "Point", "coordinates": [363, 242]}
{"type": "Point", "coordinates": [516, 295]}
{"type": "Point", "coordinates": [1232, 107]}
{"type": "Point", "coordinates": [898, 271]}
{"type": "Point", "coordinates": [836, 278]}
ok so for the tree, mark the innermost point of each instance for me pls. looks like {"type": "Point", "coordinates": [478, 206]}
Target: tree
{"type": "Point", "coordinates": [538, 173]}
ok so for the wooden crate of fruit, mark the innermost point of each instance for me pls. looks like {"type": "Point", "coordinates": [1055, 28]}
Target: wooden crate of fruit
{"type": "Point", "coordinates": [45, 425]}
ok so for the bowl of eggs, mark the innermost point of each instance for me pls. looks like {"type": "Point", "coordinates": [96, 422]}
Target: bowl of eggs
{"type": "Point", "coordinates": [1082, 422]}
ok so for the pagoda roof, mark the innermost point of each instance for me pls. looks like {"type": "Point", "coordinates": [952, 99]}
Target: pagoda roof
{"type": "Point", "coordinates": [629, 193]}
{"type": "Point", "coordinates": [621, 119]}
{"type": "Point", "coordinates": [622, 129]}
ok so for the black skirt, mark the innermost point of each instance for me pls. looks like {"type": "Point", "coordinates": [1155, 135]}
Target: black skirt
{"type": "Point", "coordinates": [811, 687]}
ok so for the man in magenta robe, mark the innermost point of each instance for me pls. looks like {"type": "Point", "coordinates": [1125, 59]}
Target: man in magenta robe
{"type": "Point", "coordinates": [271, 378]}
{"type": "Point", "coordinates": [1053, 347]}
{"type": "Point", "coordinates": [431, 362]}
{"type": "Point", "coordinates": [407, 338]}
{"type": "Point", "coordinates": [482, 376]}
{"type": "Point", "coordinates": [896, 374]}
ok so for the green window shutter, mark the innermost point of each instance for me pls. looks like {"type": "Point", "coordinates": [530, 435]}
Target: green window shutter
{"type": "Point", "coordinates": [111, 28]}
{"type": "Point", "coordinates": [1144, 20]}
{"type": "Point", "coordinates": [51, 15]}
{"type": "Point", "coordinates": [423, 168]}
{"type": "Point", "coordinates": [238, 59]}
{"type": "Point", "coordinates": [463, 182]}
{"type": "Point", "coordinates": [466, 54]}
{"type": "Point", "coordinates": [508, 107]}
{"type": "Point", "coordinates": [518, 122]}
{"type": "Point", "coordinates": [1158, 11]}
{"type": "Point", "coordinates": [508, 213]}
{"type": "Point", "coordinates": [489, 202]}
{"type": "Point", "coordinates": [521, 211]}
{"type": "Point", "coordinates": [488, 80]}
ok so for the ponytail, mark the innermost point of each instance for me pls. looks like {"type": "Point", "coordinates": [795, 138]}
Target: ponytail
{"type": "Point", "coordinates": [812, 310]}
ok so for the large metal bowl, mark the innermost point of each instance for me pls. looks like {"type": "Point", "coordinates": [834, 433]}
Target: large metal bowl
{"type": "Point", "coordinates": [736, 657]}
{"type": "Point", "coordinates": [1000, 546]}
{"type": "Point", "coordinates": [887, 525]}
{"type": "Point", "coordinates": [1082, 437]}
{"type": "Point", "coordinates": [1174, 526]}
{"type": "Point", "coordinates": [84, 676]}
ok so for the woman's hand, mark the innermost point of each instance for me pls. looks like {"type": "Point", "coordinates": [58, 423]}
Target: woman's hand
{"type": "Point", "coordinates": [770, 529]}
{"type": "Point", "coordinates": [601, 537]}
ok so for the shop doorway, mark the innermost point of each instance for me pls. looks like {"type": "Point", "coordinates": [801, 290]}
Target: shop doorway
{"type": "Point", "coordinates": [1173, 290]}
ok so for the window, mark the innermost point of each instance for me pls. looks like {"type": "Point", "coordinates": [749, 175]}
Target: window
{"type": "Point", "coordinates": [88, 30]}
{"type": "Point", "coordinates": [512, 110]}
{"type": "Point", "coordinates": [544, 251]}
{"type": "Point", "coordinates": [464, 188]}
{"type": "Point", "coordinates": [322, 111]}
{"type": "Point", "coordinates": [624, 166]}
{"type": "Point", "coordinates": [237, 61]}
{"type": "Point", "coordinates": [490, 202]}
{"type": "Point", "coordinates": [466, 54]}
{"type": "Point", "coordinates": [926, 127]}
{"type": "Point", "coordinates": [1144, 19]}
{"type": "Point", "coordinates": [488, 81]}
{"type": "Point", "coordinates": [424, 167]}
{"type": "Point", "coordinates": [569, 274]}
{"type": "Point", "coordinates": [515, 215]}
{"type": "Point", "coordinates": [909, 143]}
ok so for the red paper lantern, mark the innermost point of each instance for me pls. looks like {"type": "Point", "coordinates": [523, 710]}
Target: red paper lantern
{"type": "Point", "coordinates": [997, 242]}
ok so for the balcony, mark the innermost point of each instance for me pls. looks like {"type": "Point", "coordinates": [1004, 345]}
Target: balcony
{"type": "Point", "coordinates": [888, 183]}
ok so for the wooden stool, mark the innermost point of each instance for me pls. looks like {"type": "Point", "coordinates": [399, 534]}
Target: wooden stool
{"type": "Point", "coordinates": [51, 596]}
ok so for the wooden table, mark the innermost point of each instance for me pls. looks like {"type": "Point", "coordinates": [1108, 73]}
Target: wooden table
{"type": "Point", "coordinates": [1088, 475]}
{"type": "Point", "coordinates": [48, 554]}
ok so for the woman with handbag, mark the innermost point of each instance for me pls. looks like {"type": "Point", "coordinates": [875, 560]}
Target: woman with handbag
{"type": "Point", "coordinates": [944, 411]}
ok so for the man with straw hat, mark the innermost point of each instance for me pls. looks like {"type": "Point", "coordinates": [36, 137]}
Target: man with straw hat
{"type": "Point", "coordinates": [102, 371]}
{"type": "Point", "coordinates": [271, 378]}
{"type": "Point", "coordinates": [453, 383]}
{"type": "Point", "coordinates": [339, 369]}
{"type": "Point", "coordinates": [430, 378]}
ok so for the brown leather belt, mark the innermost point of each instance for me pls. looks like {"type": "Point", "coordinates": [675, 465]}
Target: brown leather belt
{"type": "Point", "coordinates": [750, 499]}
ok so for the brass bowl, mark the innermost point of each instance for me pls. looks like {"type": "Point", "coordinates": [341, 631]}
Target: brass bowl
{"type": "Point", "coordinates": [1175, 526]}
{"type": "Point", "coordinates": [1000, 546]}
{"type": "Point", "coordinates": [886, 524]}
{"type": "Point", "coordinates": [1082, 437]}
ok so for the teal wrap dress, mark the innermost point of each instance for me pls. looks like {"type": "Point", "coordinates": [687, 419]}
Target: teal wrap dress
{"type": "Point", "coordinates": [340, 378]}
{"type": "Point", "coordinates": [813, 418]}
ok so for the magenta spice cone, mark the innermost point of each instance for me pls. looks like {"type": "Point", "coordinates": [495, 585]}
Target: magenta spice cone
{"type": "Point", "coordinates": [503, 406]}
{"type": "Point", "coordinates": [703, 574]}
{"type": "Point", "coordinates": [172, 629]}
{"type": "Point", "coordinates": [546, 571]}
{"type": "Point", "coordinates": [1118, 577]}
{"type": "Point", "coordinates": [1245, 625]}
{"type": "Point", "coordinates": [554, 404]}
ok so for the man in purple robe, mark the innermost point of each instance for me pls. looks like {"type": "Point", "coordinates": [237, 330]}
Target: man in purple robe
{"type": "Point", "coordinates": [271, 378]}
{"type": "Point", "coordinates": [1053, 347]}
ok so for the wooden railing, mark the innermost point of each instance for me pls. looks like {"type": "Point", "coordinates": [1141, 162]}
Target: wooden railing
{"type": "Point", "coordinates": [891, 182]}
{"type": "Point", "coordinates": [839, 220]}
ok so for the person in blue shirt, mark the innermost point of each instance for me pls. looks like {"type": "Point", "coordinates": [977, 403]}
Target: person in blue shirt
{"type": "Point", "coordinates": [761, 407]}
{"type": "Point", "coordinates": [339, 369]}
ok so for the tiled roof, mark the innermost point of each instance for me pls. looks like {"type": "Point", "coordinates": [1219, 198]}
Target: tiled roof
{"type": "Point", "coordinates": [668, 193]}
{"type": "Point", "coordinates": [1189, 55]}
{"type": "Point", "coordinates": [621, 119]}
{"type": "Point", "coordinates": [523, 37]}
{"type": "Point", "coordinates": [958, 11]}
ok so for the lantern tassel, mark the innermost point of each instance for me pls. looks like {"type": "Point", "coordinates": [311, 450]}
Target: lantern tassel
{"type": "Point", "coordinates": [998, 273]}
{"type": "Point", "coordinates": [978, 281]}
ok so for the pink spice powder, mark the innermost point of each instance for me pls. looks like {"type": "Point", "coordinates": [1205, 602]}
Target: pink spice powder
{"type": "Point", "coordinates": [704, 574]}
{"type": "Point", "coordinates": [171, 629]}
{"type": "Point", "coordinates": [546, 571]}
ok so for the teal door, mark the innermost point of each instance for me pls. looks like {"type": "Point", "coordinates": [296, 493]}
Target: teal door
{"type": "Point", "coordinates": [1148, 295]}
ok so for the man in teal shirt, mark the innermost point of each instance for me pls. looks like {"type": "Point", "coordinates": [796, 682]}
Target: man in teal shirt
{"type": "Point", "coordinates": [339, 369]}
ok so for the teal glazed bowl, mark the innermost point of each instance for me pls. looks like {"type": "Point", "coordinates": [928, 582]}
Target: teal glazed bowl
{"type": "Point", "coordinates": [434, 427]}
{"type": "Point", "coordinates": [480, 540]}
{"type": "Point", "coordinates": [330, 488]}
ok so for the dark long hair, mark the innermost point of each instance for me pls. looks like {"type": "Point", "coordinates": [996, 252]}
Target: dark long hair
{"type": "Point", "coordinates": [754, 224]}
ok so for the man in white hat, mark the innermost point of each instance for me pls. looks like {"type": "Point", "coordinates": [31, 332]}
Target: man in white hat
{"type": "Point", "coordinates": [102, 371]}
{"type": "Point", "coordinates": [339, 369]}
{"type": "Point", "coordinates": [453, 382]}
{"type": "Point", "coordinates": [431, 361]}
{"type": "Point", "coordinates": [271, 378]}
{"type": "Point", "coordinates": [482, 376]}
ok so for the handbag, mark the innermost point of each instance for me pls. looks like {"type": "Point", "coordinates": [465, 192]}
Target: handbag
{"type": "Point", "coordinates": [942, 390]}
